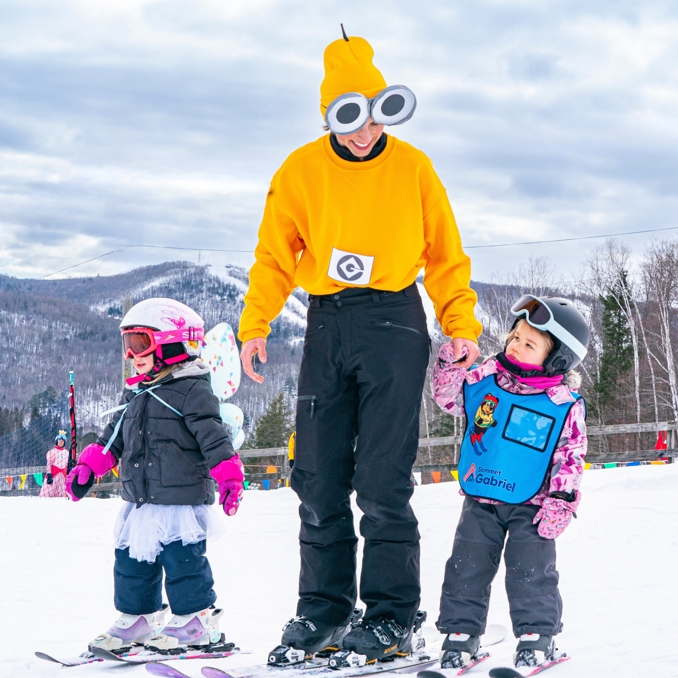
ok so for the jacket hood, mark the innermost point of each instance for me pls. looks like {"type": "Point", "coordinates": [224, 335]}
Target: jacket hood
{"type": "Point", "coordinates": [194, 368]}
{"type": "Point", "coordinates": [573, 380]}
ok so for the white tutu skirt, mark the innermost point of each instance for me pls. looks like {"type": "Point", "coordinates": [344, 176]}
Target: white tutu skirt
{"type": "Point", "coordinates": [146, 529]}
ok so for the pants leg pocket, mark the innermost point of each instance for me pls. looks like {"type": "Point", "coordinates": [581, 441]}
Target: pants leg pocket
{"type": "Point", "coordinates": [307, 448]}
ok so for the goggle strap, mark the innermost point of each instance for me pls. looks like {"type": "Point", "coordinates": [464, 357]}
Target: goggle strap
{"type": "Point", "coordinates": [568, 339]}
{"type": "Point", "coordinates": [175, 336]}
{"type": "Point", "coordinates": [176, 359]}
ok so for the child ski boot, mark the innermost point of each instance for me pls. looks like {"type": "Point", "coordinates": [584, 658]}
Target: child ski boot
{"type": "Point", "coordinates": [303, 638]}
{"type": "Point", "coordinates": [196, 630]}
{"type": "Point", "coordinates": [531, 643]}
{"type": "Point", "coordinates": [381, 638]}
{"type": "Point", "coordinates": [129, 630]}
{"type": "Point", "coordinates": [455, 646]}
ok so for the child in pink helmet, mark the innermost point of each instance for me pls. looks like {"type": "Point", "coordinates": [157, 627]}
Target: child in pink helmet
{"type": "Point", "coordinates": [170, 444]}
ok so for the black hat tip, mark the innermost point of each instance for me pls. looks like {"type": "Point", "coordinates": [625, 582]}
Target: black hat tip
{"type": "Point", "coordinates": [343, 32]}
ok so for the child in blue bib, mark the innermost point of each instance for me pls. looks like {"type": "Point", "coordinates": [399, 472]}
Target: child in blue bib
{"type": "Point", "coordinates": [520, 466]}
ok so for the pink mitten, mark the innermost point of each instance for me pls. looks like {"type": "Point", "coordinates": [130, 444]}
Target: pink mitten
{"type": "Point", "coordinates": [91, 464]}
{"type": "Point", "coordinates": [229, 475]}
{"type": "Point", "coordinates": [555, 515]}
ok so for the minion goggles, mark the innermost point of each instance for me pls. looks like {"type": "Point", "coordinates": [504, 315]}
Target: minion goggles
{"type": "Point", "coordinates": [349, 112]}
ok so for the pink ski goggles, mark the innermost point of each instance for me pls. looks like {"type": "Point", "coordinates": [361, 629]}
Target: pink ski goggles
{"type": "Point", "coordinates": [140, 341]}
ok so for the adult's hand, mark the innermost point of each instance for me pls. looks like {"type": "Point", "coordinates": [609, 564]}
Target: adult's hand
{"type": "Point", "coordinates": [465, 352]}
{"type": "Point", "coordinates": [249, 349]}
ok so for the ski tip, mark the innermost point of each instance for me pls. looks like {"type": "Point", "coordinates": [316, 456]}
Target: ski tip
{"type": "Point", "coordinates": [211, 672]}
{"type": "Point", "coordinates": [504, 672]}
{"type": "Point", "coordinates": [158, 669]}
{"type": "Point", "coordinates": [47, 658]}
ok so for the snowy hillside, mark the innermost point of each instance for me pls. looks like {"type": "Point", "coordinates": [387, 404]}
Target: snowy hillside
{"type": "Point", "coordinates": [617, 565]}
{"type": "Point", "coordinates": [51, 326]}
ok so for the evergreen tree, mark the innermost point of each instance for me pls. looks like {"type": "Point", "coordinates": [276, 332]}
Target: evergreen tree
{"type": "Point", "coordinates": [273, 428]}
{"type": "Point", "coordinates": [617, 356]}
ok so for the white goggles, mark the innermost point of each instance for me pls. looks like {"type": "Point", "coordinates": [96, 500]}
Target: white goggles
{"type": "Point", "coordinates": [539, 315]}
{"type": "Point", "coordinates": [349, 112]}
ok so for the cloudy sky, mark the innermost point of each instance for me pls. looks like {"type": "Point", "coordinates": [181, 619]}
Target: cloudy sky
{"type": "Point", "coordinates": [160, 122]}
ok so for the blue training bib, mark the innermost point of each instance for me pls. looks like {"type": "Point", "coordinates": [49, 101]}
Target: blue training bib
{"type": "Point", "coordinates": [508, 442]}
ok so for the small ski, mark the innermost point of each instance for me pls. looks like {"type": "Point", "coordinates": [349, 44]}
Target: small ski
{"type": "Point", "coordinates": [166, 671]}
{"type": "Point", "coordinates": [84, 658]}
{"type": "Point", "coordinates": [409, 664]}
{"type": "Point", "coordinates": [494, 634]}
{"type": "Point", "coordinates": [506, 672]}
{"type": "Point", "coordinates": [146, 656]}
{"type": "Point", "coordinates": [449, 673]}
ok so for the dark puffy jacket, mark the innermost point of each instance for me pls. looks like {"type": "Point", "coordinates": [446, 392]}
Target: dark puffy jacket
{"type": "Point", "coordinates": [165, 458]}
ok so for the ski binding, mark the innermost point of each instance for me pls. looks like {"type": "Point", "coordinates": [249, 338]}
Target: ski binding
{"type": "Point", "coordinates": [283, 655]}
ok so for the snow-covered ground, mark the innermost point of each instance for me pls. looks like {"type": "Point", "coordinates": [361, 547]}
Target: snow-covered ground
{"type": "Point", "coordinates": [617, 562]}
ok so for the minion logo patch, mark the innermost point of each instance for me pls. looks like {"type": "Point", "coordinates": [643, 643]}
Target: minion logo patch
{"type": "Point", "coordinates": [347, 267]}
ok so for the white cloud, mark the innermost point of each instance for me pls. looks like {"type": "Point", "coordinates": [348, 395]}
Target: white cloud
{"type": "Point", "coordinates": [144, 122]}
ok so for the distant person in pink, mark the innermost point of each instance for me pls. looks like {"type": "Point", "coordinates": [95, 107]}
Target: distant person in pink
{"type": "Point", "coordinates": [54, 483]}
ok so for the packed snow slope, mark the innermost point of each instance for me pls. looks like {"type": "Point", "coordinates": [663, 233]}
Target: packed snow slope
{"type": "Point", "coordinates": [617, 564]}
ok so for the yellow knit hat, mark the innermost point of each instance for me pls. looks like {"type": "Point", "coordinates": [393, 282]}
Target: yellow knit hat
{"type": "Point", "coordinates": [349, 68]}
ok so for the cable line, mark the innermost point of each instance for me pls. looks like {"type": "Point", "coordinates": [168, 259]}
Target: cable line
{"type": "Point", "coordinates": [468, 247]}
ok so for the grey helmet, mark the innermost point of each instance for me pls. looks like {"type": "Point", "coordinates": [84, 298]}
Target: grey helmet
{"type": "Point", "coordinates": [566, 325]}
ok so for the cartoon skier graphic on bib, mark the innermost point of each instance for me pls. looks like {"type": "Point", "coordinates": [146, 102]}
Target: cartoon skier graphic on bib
{"type": "Point", "coordinates": [482, 421]}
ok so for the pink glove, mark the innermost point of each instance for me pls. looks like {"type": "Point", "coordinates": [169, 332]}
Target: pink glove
{"type": "Point", "coordinates": [446, 354]}
{"type": "Point", "coordinates": [555, 515]}
{"type": "Point", "coordinates": [91, 464]}
{"type": "Point", "coordinates": [229, 475]}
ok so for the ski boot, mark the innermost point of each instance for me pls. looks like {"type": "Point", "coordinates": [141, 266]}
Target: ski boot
{"type": "Point", "coordinates": [196, 630]}
{"type": "Point", "coordinates": [303, 638]}
{"type": "Point", "coordinates": [529, 644]}
{"type": "Point", "coordinates": [455, 645]}
{"type": "Point", "coordinates": [378, 639]}
{"type": "Point", "coordinates": [129, 630]}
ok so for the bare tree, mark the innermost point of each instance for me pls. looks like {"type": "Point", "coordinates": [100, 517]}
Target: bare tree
{"type": "Point", "coordinates": [608, 269]}
{"type": "Point", "coordinates": [660, 276]}
{"type": "Point", "coordinates": [534, 277]}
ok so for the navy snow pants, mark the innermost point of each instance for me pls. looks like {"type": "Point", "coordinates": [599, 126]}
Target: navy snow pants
{"type": "Point", "coordinates": [531, 576]}
{"type": "Point", "coordinates": [188, 580]}
{"type": "Point", "coordinates": [360, 387]}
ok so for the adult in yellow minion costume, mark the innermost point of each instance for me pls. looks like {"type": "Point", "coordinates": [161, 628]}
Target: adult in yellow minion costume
{"type": "Point", "coordinates": [352, 218]}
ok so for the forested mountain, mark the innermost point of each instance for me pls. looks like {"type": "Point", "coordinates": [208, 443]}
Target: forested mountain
{"type": "Point", "coordinates": [50, 327]}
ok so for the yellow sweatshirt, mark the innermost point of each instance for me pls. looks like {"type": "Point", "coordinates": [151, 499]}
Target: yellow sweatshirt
{"type": "Point", "coordinates": [330, 224]}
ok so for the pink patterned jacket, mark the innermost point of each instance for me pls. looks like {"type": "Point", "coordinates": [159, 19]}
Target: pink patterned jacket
{"type": "Point", "coordinates": [568, 459]}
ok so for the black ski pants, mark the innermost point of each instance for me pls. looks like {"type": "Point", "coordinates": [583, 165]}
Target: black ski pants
{"type": "Point", "coordinates": [188, 580]}
{"type": "Point", "coordinates": [531, 576]}
{"type": "Point", "coordinates": [360, 387]}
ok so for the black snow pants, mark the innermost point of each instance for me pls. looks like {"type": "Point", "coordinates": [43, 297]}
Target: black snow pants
{"type": "Point", "coordinates": [360, 387]}
{"type": "Point", "coordinates": [531, 576]}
